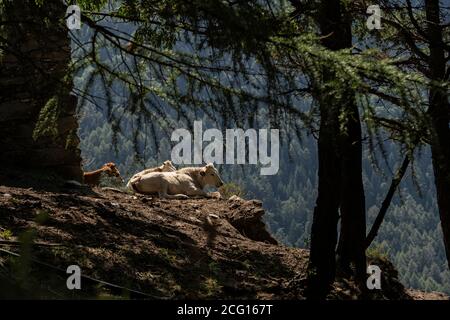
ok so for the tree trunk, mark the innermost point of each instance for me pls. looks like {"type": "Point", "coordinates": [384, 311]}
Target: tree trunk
{"type": "Point", "coordinates": [351, 248]}
{"type": "Point", "coordinates": [387, 201]}
{"type": "Point", "coordinates": [32, 73]}
{"type": "Point", "coordinates": [439, 113]}
{"type": "Point", "coordinates": [322, 265]}
{"type": "Point", "coordinates": [340, 169]}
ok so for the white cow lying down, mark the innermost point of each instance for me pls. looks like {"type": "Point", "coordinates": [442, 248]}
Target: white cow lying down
{"type": "Point", "coordinates": [179, 184]}
{"type": "Point", "coordinates": [167, 166]}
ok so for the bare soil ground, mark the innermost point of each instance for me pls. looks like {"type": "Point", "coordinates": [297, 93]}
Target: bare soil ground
{"type": "Point", "coordinates": [145, 247]}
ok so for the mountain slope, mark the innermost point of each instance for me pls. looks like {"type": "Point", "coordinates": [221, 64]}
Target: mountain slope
{"type": "Point", "coordinates": [145, 247]}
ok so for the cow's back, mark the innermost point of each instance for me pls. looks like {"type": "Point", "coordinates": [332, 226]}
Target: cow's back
{"type": "Point", "coordinates": [150, 182]}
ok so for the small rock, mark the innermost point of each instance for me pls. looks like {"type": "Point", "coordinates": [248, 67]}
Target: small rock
{"type": "Point", "coordinates": [258, 212]}
{"type": "Point", "coordinates": [148, 199]}
{"type": "Point", "coordinates": [215, 195]}
{"type": "Point", "coordinates": [235, 205]}
{"type": "Point", "coordinates": [209, 221]}
{"type": "Point", "coordinates": [215, 216]}
{"type": "Point", "coordinates": [7, 195]}
{"type": "Point", "coordinates": [72, 183]}
{"type": "Point", "coordinates": [235, 198]}
{"type": "Point", "coordinates": [194, 219]}
{"type": "Point", "coordinates": [255, 202]}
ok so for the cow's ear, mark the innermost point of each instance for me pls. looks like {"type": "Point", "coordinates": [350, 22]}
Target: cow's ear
{"type": "Point", "coordinates": [203, 172]}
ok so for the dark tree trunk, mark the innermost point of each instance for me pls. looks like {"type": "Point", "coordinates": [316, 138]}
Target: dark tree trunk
{"type": "Point", "coordinates": [387, 201]}
{"type": "Point", "coordinates": [439, 113]}
{"type": "Point", "coordinates": [340, 169]}
{"type": "Point", "coordinates": [351, 248]}
{"type": "Point", "coordinates": [32, 71]}
{"type": "Point", "coordinates": [322, 265]}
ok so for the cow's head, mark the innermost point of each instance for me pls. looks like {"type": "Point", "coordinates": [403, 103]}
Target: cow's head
{"type": "Point", "coordinates": [168, 166]}
{"type": "Point", "coordinates": [210, 176]}
{"type": "Point", "coordinates": [111, 170]}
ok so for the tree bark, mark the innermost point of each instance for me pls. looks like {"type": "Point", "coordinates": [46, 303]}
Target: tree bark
{"type": "Point", "coordinates": [33, 71]}
{"type": "Point", "coordinates": [340, 169]}
{"type": "Point", "coordinates": [387, 201]}
{"type": "Point", "coordinates": [322, 264]}
{"type": "Point", "coordinates": [439, 113]}
{"type": "Point", "coordinates": [351, 248]}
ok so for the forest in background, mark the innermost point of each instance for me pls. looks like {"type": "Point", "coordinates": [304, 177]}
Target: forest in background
{"type": "Point", "coordinates": [410, 236]}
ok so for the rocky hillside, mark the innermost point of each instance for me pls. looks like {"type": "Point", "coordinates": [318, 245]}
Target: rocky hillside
{"type": "Point", "coordinates": [142, 247]}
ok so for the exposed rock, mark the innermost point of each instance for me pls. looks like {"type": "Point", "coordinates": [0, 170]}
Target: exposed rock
{"type": "Point", "coordinates": [246, 217]}
{"type": "Point", "coordinates": [235, 198]}
{"type": "Point", "coordinates": [73, 183]}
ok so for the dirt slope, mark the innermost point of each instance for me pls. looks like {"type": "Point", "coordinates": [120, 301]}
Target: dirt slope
{"type": "Point", "coordinates": [199, 248]}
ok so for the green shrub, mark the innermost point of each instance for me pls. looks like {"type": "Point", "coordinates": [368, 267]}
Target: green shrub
{"type": "Point", "coordinates": [6, 234]}
{"type": "Point", "coordinates": [231, 189]}
{"type": "Point", "coordinates": [376, 252]}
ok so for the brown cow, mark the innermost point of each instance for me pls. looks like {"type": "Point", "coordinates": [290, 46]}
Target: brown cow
{"type": "Point", "coordinates": [92, 178]}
